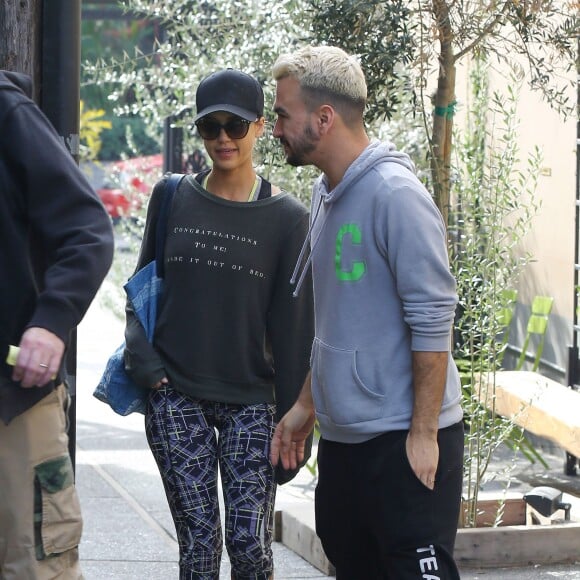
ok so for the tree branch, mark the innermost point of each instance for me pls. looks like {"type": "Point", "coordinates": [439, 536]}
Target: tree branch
{"type": "Point", "coordinates": [486, 30]}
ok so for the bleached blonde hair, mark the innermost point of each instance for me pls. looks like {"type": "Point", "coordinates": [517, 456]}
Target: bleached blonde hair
{"type": "Point", "coordinates": [326, 73]}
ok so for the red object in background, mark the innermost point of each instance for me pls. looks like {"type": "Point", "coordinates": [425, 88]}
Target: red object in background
{"type": "Point", "coordinates": [136, 178]}
{"type": "Point", "coordinates": [140, 173]}
{"type": "Point", "coordinates": [115, 202]}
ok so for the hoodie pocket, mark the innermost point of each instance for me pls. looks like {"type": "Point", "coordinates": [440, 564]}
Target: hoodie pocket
{"type": "Point", "coordinates": [338, 390]}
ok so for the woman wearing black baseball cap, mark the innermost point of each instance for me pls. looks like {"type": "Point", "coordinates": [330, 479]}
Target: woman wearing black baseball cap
{"type": "Point", "coordinates": [232, 346]}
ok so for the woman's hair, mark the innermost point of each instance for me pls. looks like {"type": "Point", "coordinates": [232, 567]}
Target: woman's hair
{"type": "Point", "coordinates": [326, 74]}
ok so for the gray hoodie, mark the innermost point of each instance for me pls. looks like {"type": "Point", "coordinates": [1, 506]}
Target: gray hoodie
{"type": "Point", "coordinates": [382, 289]}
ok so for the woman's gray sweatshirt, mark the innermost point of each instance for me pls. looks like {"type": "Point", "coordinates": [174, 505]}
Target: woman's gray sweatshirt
{"type": "Point", "coordinates": [382, 289]}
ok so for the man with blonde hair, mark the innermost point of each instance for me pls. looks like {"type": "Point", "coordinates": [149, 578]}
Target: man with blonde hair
{"type": "Point", "coordinates": [383, 385]}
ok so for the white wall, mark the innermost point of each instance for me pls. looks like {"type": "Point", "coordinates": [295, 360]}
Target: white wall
{"type": "Point", "coordinates": [551, 239]}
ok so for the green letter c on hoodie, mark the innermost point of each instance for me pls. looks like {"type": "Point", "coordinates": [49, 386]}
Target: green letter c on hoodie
{"type": "Point", "coordinates": [358, 268]}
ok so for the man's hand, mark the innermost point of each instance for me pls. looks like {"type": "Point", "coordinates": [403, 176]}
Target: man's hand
{"type": "Point", "coordinates": [423, 455]}
{"type": "Point", "coordinates": [39, 358]}
{"type": "Point", "coordinates": [429, 375]}
{"type": "Point", "coordinates": [291, 433]}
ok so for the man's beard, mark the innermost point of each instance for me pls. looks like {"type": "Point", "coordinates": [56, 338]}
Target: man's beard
{"type": "Point", "coordinates": [298, 152]}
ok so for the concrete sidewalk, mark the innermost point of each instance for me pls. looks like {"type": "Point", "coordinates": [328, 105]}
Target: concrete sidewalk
{"type": "Point", "coordinates": [129, 533]}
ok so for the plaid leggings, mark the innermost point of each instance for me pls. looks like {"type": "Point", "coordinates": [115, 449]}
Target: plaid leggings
{"type": "Point", "coordinates": [182, 435]}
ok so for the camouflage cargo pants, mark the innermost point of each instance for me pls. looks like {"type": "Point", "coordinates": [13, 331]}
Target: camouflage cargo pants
{"type": "Point", "coordinates": [40, 518]}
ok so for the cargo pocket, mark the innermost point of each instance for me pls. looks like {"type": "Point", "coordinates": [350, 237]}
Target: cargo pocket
{"type": "Point", "coordinates": [57, 511]}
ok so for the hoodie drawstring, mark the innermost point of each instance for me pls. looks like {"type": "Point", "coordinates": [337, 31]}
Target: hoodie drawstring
{"type": "Point", "coordinates": [303, 251]}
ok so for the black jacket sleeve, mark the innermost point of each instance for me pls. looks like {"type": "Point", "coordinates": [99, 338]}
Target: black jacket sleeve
{"type": "Point", "coordinates": [69, 232]}
{"type": "Point", "coordinates": [291, 331]}
{"type": "Point", "coordinates": [142, 362]}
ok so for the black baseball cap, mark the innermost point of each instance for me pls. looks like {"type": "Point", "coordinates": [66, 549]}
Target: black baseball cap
{"type": "Point", "coordinates": [230, 90]}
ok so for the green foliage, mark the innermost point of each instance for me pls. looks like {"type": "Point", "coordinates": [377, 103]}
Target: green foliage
{"type": "Point", "coordinates": [405, 128]}
{"type": "Point", "coordinates": [196, 40]}
{"type": "Point", "coordinates": [399, 39]}
{"type": "Point", "coordinates": [102, 40]}
{"type": "Point", "coordinates": [381, 34]}
{"type": "Point", "coordinates": [425, 41]}
{"type": "Point", "coordinates": [110, 39]}
{"type": "Point", "coordinates": [493, 212]}
{"type": "Point", "coordinates": [540, 35]}
{"type": "Point", "coordinates": [128, 137]}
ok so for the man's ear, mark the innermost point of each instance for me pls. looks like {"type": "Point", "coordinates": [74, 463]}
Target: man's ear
{"type": "Point", "coordinates": [326, 116]}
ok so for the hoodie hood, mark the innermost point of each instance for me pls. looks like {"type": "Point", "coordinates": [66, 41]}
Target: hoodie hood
{"type": "Point", "coordinates": [376, 152]}
{"type": "Point", "coordinates": [16, 81]}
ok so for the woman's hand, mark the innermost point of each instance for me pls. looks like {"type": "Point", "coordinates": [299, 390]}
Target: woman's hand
{"type": "Point", "coordinates": [159, 384]}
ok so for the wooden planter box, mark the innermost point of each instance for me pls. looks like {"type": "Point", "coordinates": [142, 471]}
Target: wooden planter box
{"type": "Point", "coordinates": [515, 541]}
{"type": "Point", "coordinates": [513, 546]}
{"type": "Point", "coordinates": [512, 506]}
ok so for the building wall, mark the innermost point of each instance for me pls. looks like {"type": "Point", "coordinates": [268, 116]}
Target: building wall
{"type": "Point", "coordinates": [551, 239]}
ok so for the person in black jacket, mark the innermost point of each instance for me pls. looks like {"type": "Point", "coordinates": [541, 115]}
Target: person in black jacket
{"type": "Point", "coordinates": [56, 246]}
{"type": "Point", "coordinates": [231, 345]}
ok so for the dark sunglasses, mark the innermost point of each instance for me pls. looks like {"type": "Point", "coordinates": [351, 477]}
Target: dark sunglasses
{"type": "Point", "coordinates": [235, 128]}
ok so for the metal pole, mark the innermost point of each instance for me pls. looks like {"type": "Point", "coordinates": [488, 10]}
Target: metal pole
{"type": "Point", "coordinates": [60, 97]}
{"type": "Point", "coordinates": [172, 147]}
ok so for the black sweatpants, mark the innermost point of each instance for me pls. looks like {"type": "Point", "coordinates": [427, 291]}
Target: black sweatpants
{"type": "Point", "coordinates": [377, 521]}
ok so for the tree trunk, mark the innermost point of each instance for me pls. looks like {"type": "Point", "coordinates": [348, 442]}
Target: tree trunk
{"type": "Point", "coordinates": [20, 42]}
{"type": "Point", "coordinates": [442, 136]}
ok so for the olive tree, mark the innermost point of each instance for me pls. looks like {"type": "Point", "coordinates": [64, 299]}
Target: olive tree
{"type": "Point", "coordinates": [420, 39]}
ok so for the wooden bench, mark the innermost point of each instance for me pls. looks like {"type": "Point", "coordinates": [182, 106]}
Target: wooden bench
{"type": "Point", "coordinates": [537, 404]}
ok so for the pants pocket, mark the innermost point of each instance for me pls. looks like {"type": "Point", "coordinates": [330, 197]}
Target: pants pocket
{"type": "Point", "coordinates": [57, 512]}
